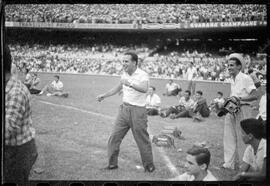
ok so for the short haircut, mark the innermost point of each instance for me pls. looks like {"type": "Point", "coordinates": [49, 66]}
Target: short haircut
{"type": "Point", "coordinates": [188, 91]}
{"type": "Point", "coordinates": [154, 88]}
{"type": "Point", "coordinates": [253, 126]}
{"type": "Point", "coordinates": [237, 62]}
{"type": "Point", "coordinates": [202, 155]}
{"type": "Point", "coordinates": [250, 71]}
{"type": "Point", "coordinates": [199, 92]}
{"type": "Point", "coordinates": [220, 93]}
{"type": "Point", "coordinates": [7, 59]}
{"type": "Point", "coordinates": [134, 56]}
{"type": "Point", "coordinates": [57, 76]}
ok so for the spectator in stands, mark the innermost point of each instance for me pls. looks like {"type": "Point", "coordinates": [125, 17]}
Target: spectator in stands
{"type": "Point", "coordinates": [185, 104]}
{"type": "Point", "coordinates": [197, 163]}
{"type": "Point", "coordinates": [34, 83]}
{"type": "Point", "coordinates": [217, 103]}
{"type": "Point", "coordinates": [172, 88]}
{"type": "Point", "coordinates": [254, 77]}
{"type": "Point", "coordinates": [55, 88]}
{"type": "Point", "coordinates": [254, 166]}
{"type": "Point", "coordinates": [152, 102]}
{"type": "Point", "coordinates": [28, 78]}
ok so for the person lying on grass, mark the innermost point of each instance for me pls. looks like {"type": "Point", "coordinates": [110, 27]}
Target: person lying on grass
{"type": "Point", "coordinates": [254, 159]}
{"type": "Point", "coordinates": [197, 163]}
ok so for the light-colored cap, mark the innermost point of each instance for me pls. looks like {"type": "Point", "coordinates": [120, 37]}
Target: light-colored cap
{"type": "Point", "coordinates": [240, 58]}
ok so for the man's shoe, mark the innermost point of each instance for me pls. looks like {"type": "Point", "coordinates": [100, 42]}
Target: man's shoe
{"type": "Point", "coordinates": [111, 167]}
{"type": "Point", "coordinates": [149, 168]}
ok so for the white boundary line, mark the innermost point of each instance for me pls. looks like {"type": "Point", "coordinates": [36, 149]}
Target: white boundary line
{"type": "Point", "coordinates": [169, 164]}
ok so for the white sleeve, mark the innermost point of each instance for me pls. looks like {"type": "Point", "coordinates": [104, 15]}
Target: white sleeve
{"type": "Point", "coordinates": [249, 84]}
{"type": "Point", "coordinates": [182, 177]}
{"type": "Point", "coordinates": [247, 153]}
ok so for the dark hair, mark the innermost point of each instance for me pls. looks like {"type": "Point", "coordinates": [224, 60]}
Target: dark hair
{"type": "Point", "coordinates": [134, 56]}
{"type": "Point", "coordinates": [57, 76]}
{"type": "Point", "coordinates": [202, 155]}
{"type": "Point", "coordinates": [199, 92]}
{"type": "Point", "coordinates": [188, 91]}
{"type": "Point", "coordinates": [250, 71]}
{"type": "Point", "coordinates": [220, 93]}
{"type": "Point", "coordinates": [154, 88]}
{"type": "Point", "coordinates": [7, 59]}
{"type": "Point", "coordinates": [253, 126]}
{"type": "Point", "coordinates": [237, 61]}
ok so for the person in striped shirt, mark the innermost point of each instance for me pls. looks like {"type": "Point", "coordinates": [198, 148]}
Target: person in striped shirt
{"type": "Point", "coordinates": [20, 152]}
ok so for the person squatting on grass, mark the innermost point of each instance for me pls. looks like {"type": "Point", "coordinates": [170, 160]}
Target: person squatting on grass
{"type": "Point", "coordinates": [152, 102]}
{"type": "Point", "coordinates": [20, 152]}
{"type": "Point", "coordinates": [172, 89]}
{"type": "Point", "coordinates": [242, 86]}
{"type": "Point", "coordinates": [185, 103]}
{"type": "Point", "coordinates": [217, 103]}
{"type": "Point", "coordinates": [254, 159]}
{"type": "Point", "coordinates": [132, 113]}
{"type": "Point", "coordinates": [34, 83]}
{"type": "Point", "coordinates": [197, 163]}
{"type": "Point", "coordinates": [55, 88]}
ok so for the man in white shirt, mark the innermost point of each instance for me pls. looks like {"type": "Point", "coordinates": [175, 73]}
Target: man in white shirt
{"type": "Point", "coordinates": [197, 163]}
{"type": "Point", "coordinates": [218, 102]}
{"type": "Point", "coordinates": [254, 166]}
{"type": "Point", "coordinates": [262, 105]}
{"type": "Point", "coordinates": [152, 102]}
{"type": "Point", "coordinates": [55, 88]}
{"type": "Point", "coordinates": [191, 74]}
{"type": "Point", "coordinates": [172, 88]}
{"type": "Point", "coordinates": [132, 113]}
{"type": "Point", "coordinates": [185, 103]}
{"type": "Point", "coordinates": [242, 86]}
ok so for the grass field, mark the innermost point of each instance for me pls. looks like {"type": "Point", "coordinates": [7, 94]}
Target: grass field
{"type": "Point", "coordinates": [72, 133]}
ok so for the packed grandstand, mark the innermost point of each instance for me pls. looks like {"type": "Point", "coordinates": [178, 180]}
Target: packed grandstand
{"type": "Point", "coordinates": [130, 13]}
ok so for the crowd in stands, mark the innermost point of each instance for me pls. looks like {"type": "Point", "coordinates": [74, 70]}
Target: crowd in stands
{"type": "Point", "coordinates": [135, 13]}
{"type": "Point", "coordinates": [106, 59]}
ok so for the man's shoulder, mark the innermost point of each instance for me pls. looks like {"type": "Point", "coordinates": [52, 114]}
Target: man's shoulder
{"type": "Point", "coordinates": [183, 177]}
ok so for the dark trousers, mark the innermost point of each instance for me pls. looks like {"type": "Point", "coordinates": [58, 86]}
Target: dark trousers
{"type": "Point", "coordinates": [18, 161]}
{"type": "Point", "coordinates": [134, 118]}
{"type": "Point", "coordinates": [174, 110]}
{"type": "Point", "coordinates": [34, 91]}
{"type": "Point", "coordinates": [192, 86]}
{"type": "Point", "coordinates": [152, 111]}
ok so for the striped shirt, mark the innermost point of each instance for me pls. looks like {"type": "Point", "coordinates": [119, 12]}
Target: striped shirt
{"type": "Point", "coordinates": [18, 119]}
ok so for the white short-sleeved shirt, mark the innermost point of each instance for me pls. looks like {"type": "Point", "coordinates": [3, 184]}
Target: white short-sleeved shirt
{"type": "Point", "coordinates": [153, 101]}
{"type": "Point", "coordinates": [219, 100]}
{"type": "Point", "coordinates": [190, 73]}
{"type": "Point", "coordinates": [188, 177]}
{"type": "Point", "coordinates": [242, 86]}
{"type": "Point", "coordinates": [171, 87]}
{"type": "Point", "coordinates": [131, 95]}
{"type": "Point", "coordinates": [57, 85]}
{"type": "Point", "coordinates": [262, 107]}
{"type": "Point", "coordinates": [255, 161]}
{"type": "Point", "coordinates": [187, 104]}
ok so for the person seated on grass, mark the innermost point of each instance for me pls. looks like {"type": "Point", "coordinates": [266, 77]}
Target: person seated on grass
{"type": "Point", "coordinates": [185, 103]}
{"type": "Point", "coordinates": [254, 159]}
{"type": "Point", "coordinates": [172, 89]}
{"type": "Point", "coordinates": [34, 83]}
{"type": "Point", "coordinates": [198, 111]}
{"type": "Point", "coordinates": [197, 163]}
{"type": "Point", "coordinates": [28, 78]}
{"type": "Point", "coordinates": [217, 103]}
{"type": "Point", "coordinates": [55, 88]}
{"type": "Point", "coordinates": [152, 102]}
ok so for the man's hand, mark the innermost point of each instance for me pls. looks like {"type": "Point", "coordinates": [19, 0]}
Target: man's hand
{"type": "Point", "coordinates": [237, 177]}
{"type": "Point", "coordinates": [100, 97]}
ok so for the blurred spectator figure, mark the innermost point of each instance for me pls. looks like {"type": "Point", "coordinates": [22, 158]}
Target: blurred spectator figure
{"type": "Point", "coordinates": [55, 88]}
{"type": "Point", "coordinates": [254, 77]}
{"type": "Point", "coordinates": [35, 82]}
{"type": "Point", "coordinates": [28, 78]}
{"type": "Point", "coordinates": [262, 105]}
{"type": "Point", "coordinates": [172, 88]}
{"type": "Point", "coordinates": [254, 166]}
{"type": "Point", "coordinates": [197, 163]}
{"type": "Point", "coordinates": [152, 102]}
{"type": "Point", "coordinates": [217, 103]}
{"type": "Point", "coordinates": [20, 150]}
{"type": "Point", "coordinates": [201, 108]}
{"type": "Point", "coordinates": [191, 74]}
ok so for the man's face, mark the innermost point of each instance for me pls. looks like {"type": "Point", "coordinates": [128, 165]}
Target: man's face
{"type": "Point", "coordinates": [219, 96]}
{"type": "Point", "coordinates": [246, 138]}
{"type": "Point", "coordinates": [192, 166]}
{"type": "Point", "coordinates": [128, 64]}
{"type": "Point", "coordinates": [151, 91]}
{"type": "Point", "coordinates": [186, 94]}
{"type": "Point", "coordinates": [56, 79]}
{"type": "Point", "coordinates": [170, 81]}
{"type": "Point", "coordinates": [233, 68]}
{"type": "Point", "coordinates": [198, 96]}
